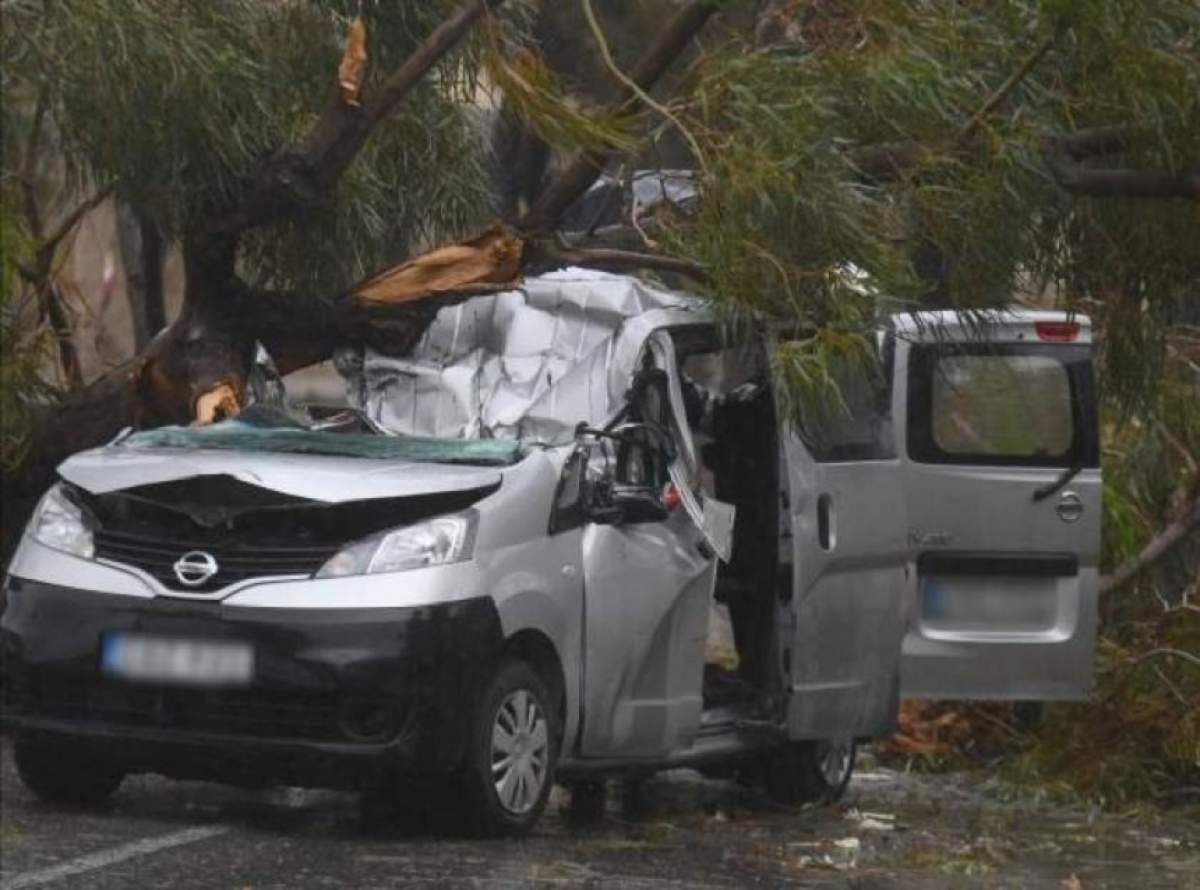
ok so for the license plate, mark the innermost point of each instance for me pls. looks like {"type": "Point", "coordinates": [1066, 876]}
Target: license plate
{"type": "Point", "coordinates": [147, 658]}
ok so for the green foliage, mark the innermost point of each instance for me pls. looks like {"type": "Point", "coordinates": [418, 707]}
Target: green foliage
{"type": "Point", "coordinates": [814, 370]}
{"type": "Point", "coordinates": [176, 104]}
{"type": "Point", "coordinates": [535, 93]}
{"type": "Point", "coordinates": [1138, 737]}
{"type": "Point", "coordinates": [978, 220]}
{"type": "Point", "coordinates": [24, 348]}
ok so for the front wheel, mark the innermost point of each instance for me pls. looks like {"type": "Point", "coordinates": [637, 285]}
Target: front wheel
{"type": "Point", "coordinates": [810, 771]}
{"type": "Point", "coordinates": [61, 773]}
{"type": "Point", "coordinates": [511, 753]}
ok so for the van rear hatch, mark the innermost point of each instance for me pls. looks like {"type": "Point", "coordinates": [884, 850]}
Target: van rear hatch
{"type": "Point", "coordinates": [1002, 475]}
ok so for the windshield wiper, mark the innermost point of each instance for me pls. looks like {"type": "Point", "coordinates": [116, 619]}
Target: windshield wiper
{"type": "Point", "coordinates": [1050, 488]}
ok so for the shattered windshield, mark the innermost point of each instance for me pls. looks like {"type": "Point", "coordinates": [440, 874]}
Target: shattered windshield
{"type": "Point", "coordinates": [261, 430]}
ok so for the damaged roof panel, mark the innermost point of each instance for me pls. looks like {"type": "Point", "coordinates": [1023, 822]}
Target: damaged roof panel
{"type": "Point", "coordinates": [527, 364]}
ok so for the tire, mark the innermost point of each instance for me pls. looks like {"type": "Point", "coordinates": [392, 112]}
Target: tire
{"type": "Point", "coordinates": [59, 772]}
{"type": "Point", "coordinates": [810, 771]}
{"type": "Point", "coordinates": [516, 725]}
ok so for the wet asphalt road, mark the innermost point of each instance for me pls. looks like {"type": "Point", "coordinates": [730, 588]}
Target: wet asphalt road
{"type": "Point", "coordinates": [677, 831]}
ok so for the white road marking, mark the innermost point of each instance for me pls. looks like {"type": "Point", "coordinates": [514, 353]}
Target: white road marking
{"type": "Point", "coordinates": [111, 856]}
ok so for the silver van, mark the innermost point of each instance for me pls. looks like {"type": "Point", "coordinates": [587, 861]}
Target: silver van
{"type": "Point", "coordinates": [498, 570]}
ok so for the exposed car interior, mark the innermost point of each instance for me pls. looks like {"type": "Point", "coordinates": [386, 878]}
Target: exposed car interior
{"type": "Point", "coordinates": [731, 416]}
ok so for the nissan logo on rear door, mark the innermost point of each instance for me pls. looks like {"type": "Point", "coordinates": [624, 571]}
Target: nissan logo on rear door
{"type": "Point", "coordinates": [195, 567]}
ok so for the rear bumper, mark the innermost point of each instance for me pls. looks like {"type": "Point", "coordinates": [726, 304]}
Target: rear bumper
{"type": "Point", "coordinates": [338, 697]}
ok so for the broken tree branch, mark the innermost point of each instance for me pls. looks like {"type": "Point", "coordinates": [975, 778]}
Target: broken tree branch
{"type": "Point", "coordinates": [55, 311]}
{"type": "Point", "coordinates": [615, 260]}
{"type": "Point", "coordinates": [641, 95]}
{"type": "Point", "coordinates": [1065, 154]}
{"type": "Point", "coordinates": [401, 82]}
{"type": "Point", "coordinates": [993, 101]}
{"type": "Point", "coordinates": [891, 160]}
{"type": "Point", "coordinates": [1089, 142]}
{"type": "Point", "coordinates": [579, 175]}
{"type": "Point", "coordinates": [297, 175]}
{"type": "Point", "coordinates": [1166, 650]}
{"type": "Point", "coordinates": [50, 243]}
{"type": "Point", "coordinates": [354, 63]}
{"type": "Point", "coordinates": [1103, 183]}
{"type": "Point", "coordinates": [1158, 547]}
{"type": "Point", "coordinates": [28, 192]}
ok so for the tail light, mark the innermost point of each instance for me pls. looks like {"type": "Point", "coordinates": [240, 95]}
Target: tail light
{"type": "Point", "coordinates": [1057, 331]}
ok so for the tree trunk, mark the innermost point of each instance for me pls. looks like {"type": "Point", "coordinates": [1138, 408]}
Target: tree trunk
{"type": "Point", "coordinates": [142, 251]}
{"type": "Point", "coordinates": [61, 325]}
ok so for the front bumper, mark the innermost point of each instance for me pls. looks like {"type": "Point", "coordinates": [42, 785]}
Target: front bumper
{"type": "Point", "coordinates": [338, 697]}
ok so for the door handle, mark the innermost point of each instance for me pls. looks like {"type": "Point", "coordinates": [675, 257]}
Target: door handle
{"type": "Point", "coordinates": [826, 534]}
{"type": "Point", "coordinates": [1069, 507]}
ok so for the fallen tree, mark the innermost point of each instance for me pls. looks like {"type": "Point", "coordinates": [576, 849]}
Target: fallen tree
{"type": "Point", "coordinates": [195, 370]}
{"type": "Point", "coordinates": [797, 174]}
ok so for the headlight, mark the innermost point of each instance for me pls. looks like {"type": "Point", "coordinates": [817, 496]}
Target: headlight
{"type": "Point", "coordinates": [59, 522]}
{"type": "Point", "coordinates": [433, 542]}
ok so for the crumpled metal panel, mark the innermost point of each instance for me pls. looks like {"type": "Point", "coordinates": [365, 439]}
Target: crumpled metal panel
{"type": "Point", "coordinates": [526, 364]}
{"type": "Point", "coordinates": [318, 478]}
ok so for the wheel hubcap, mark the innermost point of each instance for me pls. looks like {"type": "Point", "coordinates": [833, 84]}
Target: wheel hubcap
{"type": "Point", "coordinates": [520, 752]}
{"type": "Point", "coordinates": [837, 759]}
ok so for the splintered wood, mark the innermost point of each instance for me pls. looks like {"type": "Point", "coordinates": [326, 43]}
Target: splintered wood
{"type": "Point", "coordinates": [354, 64]}
{"type": "Point", "coordinates": [492, 258]}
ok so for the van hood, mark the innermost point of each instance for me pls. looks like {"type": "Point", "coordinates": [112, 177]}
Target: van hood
{"type": "Point", "coordinates": [332, 479]}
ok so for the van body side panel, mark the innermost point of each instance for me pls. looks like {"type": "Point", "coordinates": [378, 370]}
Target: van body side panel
{"type": "Point", "coordinates": [648, 588]}
{"type": "Point", "coordinates": [535, 579]}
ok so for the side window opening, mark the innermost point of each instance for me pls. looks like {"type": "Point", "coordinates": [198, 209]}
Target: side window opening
{"type": "Point", "coordinates": [853, 420]}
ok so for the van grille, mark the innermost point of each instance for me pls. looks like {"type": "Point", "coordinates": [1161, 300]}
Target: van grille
{"type": "Point", "coordinates": [308, 716]}
{"type": "Point", "coordinates": [157, 557]}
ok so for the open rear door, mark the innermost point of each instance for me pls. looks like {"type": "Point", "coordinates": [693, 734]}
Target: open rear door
{"type": "Point", "coordinates": [1003, 488]}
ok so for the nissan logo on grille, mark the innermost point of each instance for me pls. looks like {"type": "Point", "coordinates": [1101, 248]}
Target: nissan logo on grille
{"type": "Point", "coordinates": [195, 567]}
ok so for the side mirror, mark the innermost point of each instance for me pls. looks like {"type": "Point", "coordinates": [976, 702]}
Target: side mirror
{"type": "Point", "coordinates": [630, 489]}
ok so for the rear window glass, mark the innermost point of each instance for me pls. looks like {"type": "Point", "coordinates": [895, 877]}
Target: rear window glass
{"type": "Point", "coordinates": [1020, 404]}
{"type": "Point", "coordinates": [1013, 405]}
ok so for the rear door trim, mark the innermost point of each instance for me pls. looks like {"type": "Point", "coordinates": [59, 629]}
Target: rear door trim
{"type": "Point", "coordinates": [1027, 565]}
